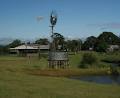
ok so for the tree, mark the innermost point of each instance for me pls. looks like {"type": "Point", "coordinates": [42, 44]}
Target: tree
{"type": "Point", "coordinates": [109, 38]}
{"type": "Point", "coordinates": [105, 39]}
{"type": "Point", "coordinates": [42, 41]}
{"type": "Point", "coordinates": [101, 46]}
{"type": "Point", "coordinates": [4, 50]}
{"type": "Point", "coordinates": [15, 43]}
{"type": "Point", "coordinates": [1, 49]}
{"type": "Point", "coordinates": [102, 42]}
{"type": "Point", "coordinates": [90, 43]}
{"type": "Point", "coordinates": [74, 45]}
{"type": "Point", "coordinates": [58, 39]}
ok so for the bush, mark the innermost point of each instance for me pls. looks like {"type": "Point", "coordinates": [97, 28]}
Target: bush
{"type": "Point", "coordinates": [114, 70]}
{"type": "Point", "coordinates": [88, 60]}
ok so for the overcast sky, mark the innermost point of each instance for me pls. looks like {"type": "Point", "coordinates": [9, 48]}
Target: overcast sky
{"type": "Point", "coordinates": [76, 18]}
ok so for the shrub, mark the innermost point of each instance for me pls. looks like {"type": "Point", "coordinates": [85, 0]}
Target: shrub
{"type": "Point", "coordinates": [114, 70]}
{"type": "Point", "coordinates": [88, 60]}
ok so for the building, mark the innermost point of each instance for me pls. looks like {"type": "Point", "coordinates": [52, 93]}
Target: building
{"type": "Point", "coordinates": [32, 49]}
{"type": "Point", "coordinates": [112, 48]}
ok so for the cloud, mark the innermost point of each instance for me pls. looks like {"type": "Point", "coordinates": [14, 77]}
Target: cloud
{"type": "Point", "coordinates": [39, 18]}
{"type": "Point", "coordinates": [113, 25]}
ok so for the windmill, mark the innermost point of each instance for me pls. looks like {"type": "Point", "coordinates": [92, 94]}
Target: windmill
{"type": "Point", "coordinates": [57, 58]}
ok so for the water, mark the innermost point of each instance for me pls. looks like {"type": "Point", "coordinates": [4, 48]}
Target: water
{"type": "Point", "coordinates": [114, 64]}
{"type": "Point", "coordinates": [103, 79]}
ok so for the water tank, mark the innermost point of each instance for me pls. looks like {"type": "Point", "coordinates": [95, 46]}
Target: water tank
{"type": "Point", "coordinates": [58, 56]}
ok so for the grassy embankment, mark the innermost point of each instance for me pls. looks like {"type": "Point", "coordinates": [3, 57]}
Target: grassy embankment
{"type": "Point", "coordinates": [37, 66]}
{"type": "Point", "coordinates": [15, 82]}
{"type": "Point", "coordinates": [40, 67]}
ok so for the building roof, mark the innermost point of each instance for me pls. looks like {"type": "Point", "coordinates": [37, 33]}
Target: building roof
{"type": "Point", "coordinates": [33, 46]}
{"type": "Point", "coordinates": [114, 46]}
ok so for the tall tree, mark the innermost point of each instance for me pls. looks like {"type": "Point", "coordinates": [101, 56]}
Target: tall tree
{"type": "Point", "coordinates": [74, 45]}
{"type": "Point", "coordinates": [15, 43]}
{"type": "Point", "coordinates": [109, 38]}
{"type": "Point", "coordinates": [42, 41]}
{"type": "Point", "coordinates": [90, 43]}
{"type": "Point", "coordinates": [101, 46]}
{"type": "Point", "coordinates": [58, 40]}
{"type": "Point", "coordinates": [105, 39]}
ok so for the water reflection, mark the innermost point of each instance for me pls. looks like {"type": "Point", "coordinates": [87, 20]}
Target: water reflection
{"type": "Point", "coordinates": [105, 79]}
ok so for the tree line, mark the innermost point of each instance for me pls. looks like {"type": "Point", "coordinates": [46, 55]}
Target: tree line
{"type": "Point", "coordinates": [99, 44]}
{"type": "Point", "coordinates": [102, 42]}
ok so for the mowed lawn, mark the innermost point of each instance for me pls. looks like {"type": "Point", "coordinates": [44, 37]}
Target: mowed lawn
{"type": "Point", "coordinates": [16, 83]}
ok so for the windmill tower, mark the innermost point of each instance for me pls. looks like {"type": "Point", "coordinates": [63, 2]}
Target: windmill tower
{"type": "Point", "coordinates": [57, 58]}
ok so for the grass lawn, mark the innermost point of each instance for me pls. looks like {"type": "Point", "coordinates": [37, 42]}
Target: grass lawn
{"type": "Point", "coordinates": [16, 83]}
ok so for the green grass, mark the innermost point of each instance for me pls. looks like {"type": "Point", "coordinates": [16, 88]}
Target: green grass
{"type": "Point", "coordinates": [16, 82]}
{"type": "Point", "coordinates": [68, 72]}
{"type": "Point", "coordinates": [20, 85]}
{"type": "Point", "coordinates": [75, 60]}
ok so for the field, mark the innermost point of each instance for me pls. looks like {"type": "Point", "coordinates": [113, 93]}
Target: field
{"type": "Point", "coordinates": [16, 82]}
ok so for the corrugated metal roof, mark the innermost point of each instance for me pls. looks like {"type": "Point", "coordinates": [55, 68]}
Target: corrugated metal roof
{"type": "Point", "coordinates": [31, 47]}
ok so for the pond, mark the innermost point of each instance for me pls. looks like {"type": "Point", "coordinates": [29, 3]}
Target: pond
{"type": "Point", "coordinates": [103, 79]}
{"type": "Point", "coordinates": [114, 64]}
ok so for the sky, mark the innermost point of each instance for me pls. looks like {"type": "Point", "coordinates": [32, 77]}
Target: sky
{"type": "Point", "coordinates": [76, 18]}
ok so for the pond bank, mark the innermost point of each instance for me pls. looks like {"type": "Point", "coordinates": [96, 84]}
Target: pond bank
{"type": "Point", "coordinates": [68, 72]}
{"type": "Point", "coordinates": [112, 62]}
{"type": "Point", "coordinates": [101, 79]}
